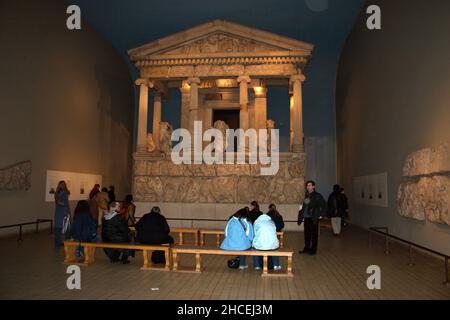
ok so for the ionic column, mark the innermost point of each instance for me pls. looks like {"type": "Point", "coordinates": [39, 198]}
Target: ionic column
{"type": "Point", "coordinates": [296, 81]}
{"type": "Point", "coordinates": [185, 89]}
{"type": "Point", "coordinates": [243, 101]}
{"type": "Point", "coordinates": [260, 107]}
{"type": "Point", "coordinates": [291, 122]}
{"type": "Point", "coordinates": [156, 118]}
{"type": "Point", "coordinates": [144, 84]}
{"type": "Point", "coordinates": [193, 102]}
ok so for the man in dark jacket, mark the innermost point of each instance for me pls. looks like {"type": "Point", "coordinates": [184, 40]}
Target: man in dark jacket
{"type": "Point", "coordinates": [314, 206]}
{"type": "Point", "coordinates": [153, 228]}
{"type": "Point", "coordinates": [337, 208]}
{"type": "Point", "coordinates": [115, 230]}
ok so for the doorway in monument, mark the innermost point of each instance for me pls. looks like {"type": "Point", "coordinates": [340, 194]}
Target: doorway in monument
{"type": "Point", "coordinates": [230, 117]}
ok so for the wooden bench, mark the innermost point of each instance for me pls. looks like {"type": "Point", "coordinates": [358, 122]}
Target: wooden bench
{"type": "Point", "coordinates": [181, 232]}
{"type": "Point", "coordinates": [89, 252]}
{"type": "Point", "coordinates": [220, 232]}
{"type": "Point", "coordinates": [199, 251]}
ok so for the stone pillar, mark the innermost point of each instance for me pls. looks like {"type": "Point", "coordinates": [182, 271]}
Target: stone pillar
{"type": "Point", "coordinates": [185, 90]}
{"type": "Point", "coordinates": [260, 107]}
{"type": "Point", "coordinates": [243, 101]}
{"type": "Point", "coordinates": [296, 81]}
{"type": "Point", "coordinates": [291, 118]}
{"type": "Point", "coordinates": [144, 85]}
{"type": "Point", "coordinates": [156, 118]}
{"type": "Point", "coordinates": [193, 102]}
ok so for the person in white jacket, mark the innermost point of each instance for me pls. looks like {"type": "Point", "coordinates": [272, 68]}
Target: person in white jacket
{"type": "Point", "coordinates": [266, 239]}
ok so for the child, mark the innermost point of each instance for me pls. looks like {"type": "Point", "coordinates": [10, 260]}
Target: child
{"type": "Point", "coordinates": [266, 238]}
{"type": "Point", "coordinates": [238, 235]}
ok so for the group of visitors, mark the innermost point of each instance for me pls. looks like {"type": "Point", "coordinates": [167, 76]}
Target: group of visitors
{"type": "Point", "coordinates": [248, 229]}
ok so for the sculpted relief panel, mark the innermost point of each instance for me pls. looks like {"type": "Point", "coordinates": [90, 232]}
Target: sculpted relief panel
{"type": "Point", "coordinates": [425, 191]}
{"type": "Point", "coordinates": [221, 42]}
{"type": "Point", "coordinates": [161, 180]}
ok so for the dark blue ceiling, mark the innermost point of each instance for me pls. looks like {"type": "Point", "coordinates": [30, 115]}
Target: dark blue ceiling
{"type": "Point", "coordinates": [324, 23]}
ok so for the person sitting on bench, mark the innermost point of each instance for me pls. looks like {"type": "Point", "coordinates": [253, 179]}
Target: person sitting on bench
{"type": "Point", "coordinates": [84, 227]}
{"type": "Point", "coordinates": [238, 235]}
{"type": "Point", "coordinates": [153, 228]}
{"type": "Point", "coordinates": [115, 230]}
{"type": "Point", "coordinates": [266, 238]}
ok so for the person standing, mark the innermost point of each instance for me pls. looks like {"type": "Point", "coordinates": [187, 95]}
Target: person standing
{"type": "Point", "coordinates": [346, 215]}
{"type": "Point", "coordinates": [61, 210]}
{"type": "Point", "coordinates": [94, 191]}
{"type": "Point", "coordinates": [102, 203]}
{"type": "Point", "coordinates": [130, 209]}
{"type": "Point", "coordinates": [111, 194]}
{"type": "Point", "coordinates": [336, 209]}
{"type": "Point", "coordinates": [314, 206]}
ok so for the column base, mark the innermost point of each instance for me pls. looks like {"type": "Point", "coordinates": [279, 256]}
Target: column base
{"type": "Point", "coordinates": [298, 148]}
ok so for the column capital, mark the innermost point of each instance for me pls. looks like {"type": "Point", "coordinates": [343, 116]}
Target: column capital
{"type": "Point", "coordinates": [297, 77]}
{"type": "Point", "coordinates": [244, 78]}
{"type": "Point", "coordinates": [193, 80]}
{"type": "Point", "coordinates": [260, 92]}
{"type": "Point", "coordinates": [144, 81]}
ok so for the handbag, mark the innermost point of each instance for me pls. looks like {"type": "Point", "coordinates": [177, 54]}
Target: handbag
{"type": "Point", "coordinates": [66, 224]}
{"type": "Point", "coordinates": [233, 263]}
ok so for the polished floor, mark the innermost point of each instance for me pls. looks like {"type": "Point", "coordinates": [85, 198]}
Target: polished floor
{"type": "Point", "coordinates": [33, 269]}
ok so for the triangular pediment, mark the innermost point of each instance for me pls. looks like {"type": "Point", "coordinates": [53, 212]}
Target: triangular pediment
{"type": "Point", "coordinates": [219, 37]}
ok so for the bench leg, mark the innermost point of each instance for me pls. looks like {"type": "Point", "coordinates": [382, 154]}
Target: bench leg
{"type": "Point", "coordinates": [89, 253]}
{"type": "Point", "coordinates": [289, 266]}
{"type": "Point", "coordinates": [197, 262]}
{"type": "Point", "coordinates": [167, 256]}
{"type": "Point", "coordinates": [175, 261]}
{"type": "Point", "coordinates": [145, 255]}
{"type": "Point", "coordinates": [180, 241]}
{"type": "Point", "coordinates": [218, 240]}
{"type": "Point", "coordinates": [281, 241]}
{"type": "Point", "coordinates": [196, 239]}
{"type": "Point", "coordinates": [202, 239]}
{"type": "Point", "coordinates": [265, 263]}
{"type": "Point", "coordinates": [69, 252]}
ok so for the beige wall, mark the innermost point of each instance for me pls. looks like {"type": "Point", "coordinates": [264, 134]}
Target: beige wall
{"type": "Point", "coordinates": [66, 104]}
{"type": "Point", "coordinates": [393, 98]}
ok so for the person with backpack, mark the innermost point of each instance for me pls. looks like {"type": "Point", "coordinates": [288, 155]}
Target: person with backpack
{"type": "Point", "coordinates": [84, 226]}
{"type": "Point", "coordinates": [337, 208]}
{"type": "Point", "coordinates": [238, 235]}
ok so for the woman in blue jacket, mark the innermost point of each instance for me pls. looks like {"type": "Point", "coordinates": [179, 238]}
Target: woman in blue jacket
{"type": "Point", "coordinates": [266, 238]}
{"type": "Point", "coordinates": [61, 210]}
{"type": "Point", "coordinates": [238, 235]}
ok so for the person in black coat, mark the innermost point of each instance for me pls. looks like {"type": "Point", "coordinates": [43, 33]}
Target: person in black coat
{"type": "Point", "coordinates": [153, 228]}
{"type": "Point", "coordinates": [314, 206]}
{"type": "Point", "coordinates": [115, 230]}
{"type": "Point", "coordinates": [254, 212]}
{"type": "Point", "coordinates": [84, 226]}
{"type": "Point", "coordinates": [277, 218]}
{"type": "Point", "coordinates": [337, 208]}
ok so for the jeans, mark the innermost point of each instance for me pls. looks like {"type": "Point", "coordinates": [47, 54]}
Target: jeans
{"type": "Point", "coordinates": [257, 261]}
{"type": "Point", "coordinates": [242, 261]}
{"type": "Point", "coordinates": [275, 261]}
{"type": "Point", "coordinates": [58, 237]}
{"type": "Point", "coordinates": [311, 235]}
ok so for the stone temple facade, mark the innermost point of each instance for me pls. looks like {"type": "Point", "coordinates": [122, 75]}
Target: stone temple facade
{"type": "Point", "coordinates": [217, 66]}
